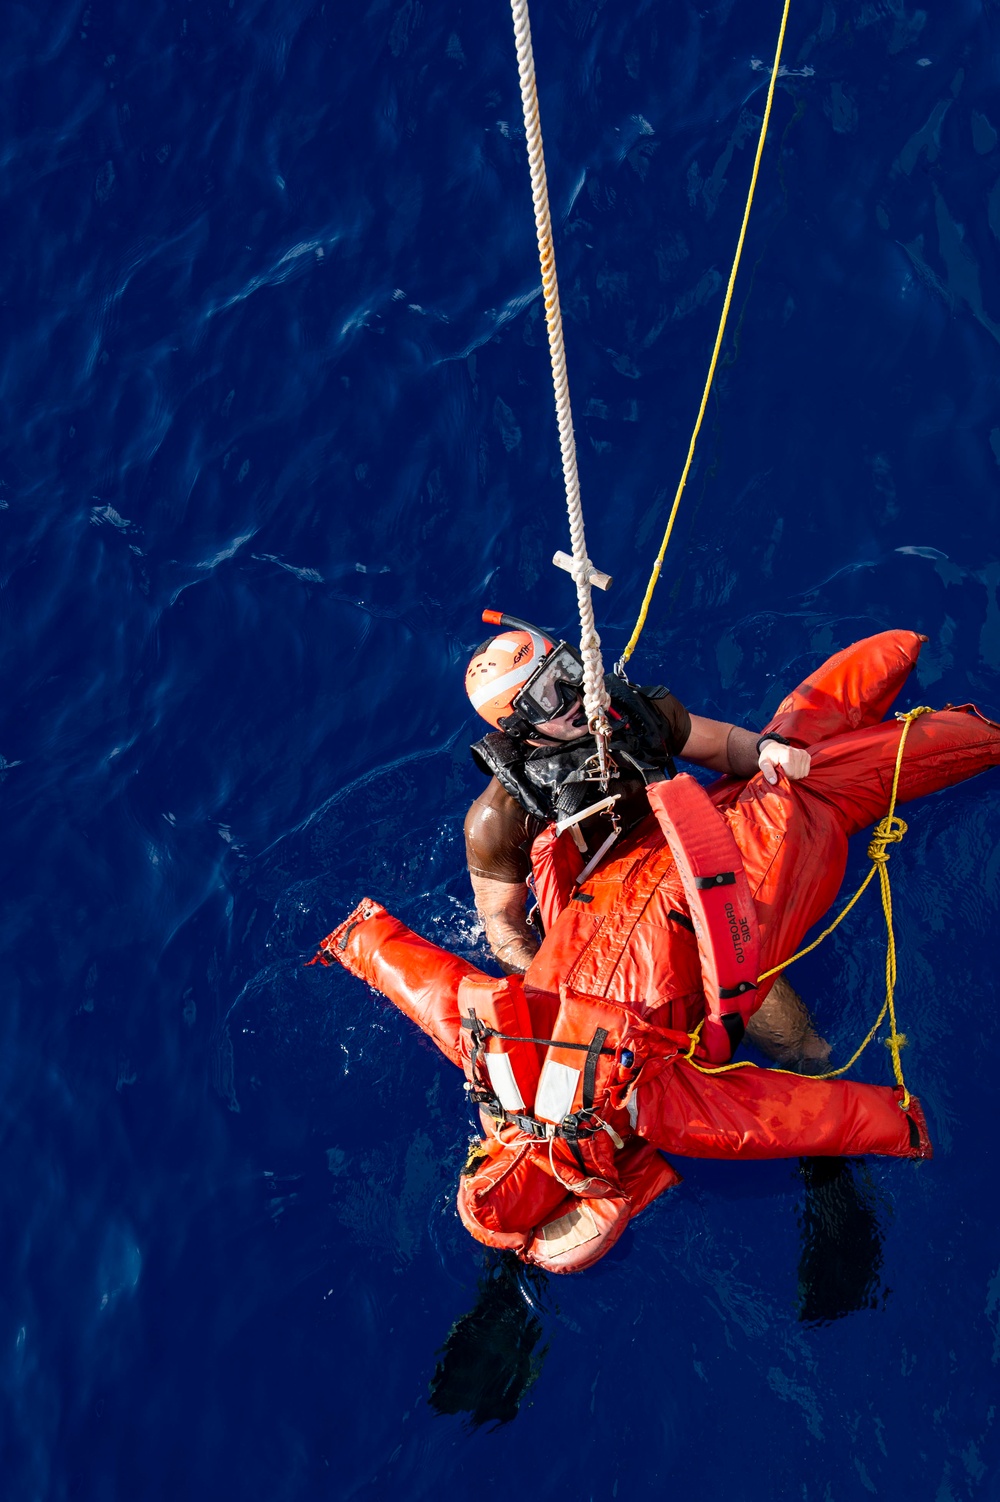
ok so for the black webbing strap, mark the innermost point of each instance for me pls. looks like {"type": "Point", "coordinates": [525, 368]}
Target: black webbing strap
{"type": "Point", "coordinates": [577, 1152]}
{"type": "Point", "coordinates": [726, 993]}
{"type": "Point", "coordinates": [721, 879]}
{"type": "Point", "coordinates": [478, 1032]}
{"type": "Point", "coordinates": [489, 1032]}
{"type": "Point", "coordinates": [590, 1067]}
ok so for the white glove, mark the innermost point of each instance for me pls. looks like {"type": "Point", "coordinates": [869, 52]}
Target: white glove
{"type": "Point", "coordinates": [792, 759]}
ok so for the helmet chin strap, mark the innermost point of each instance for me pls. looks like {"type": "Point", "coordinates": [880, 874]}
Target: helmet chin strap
{"type": "Point", "coordinates": [524, 730]}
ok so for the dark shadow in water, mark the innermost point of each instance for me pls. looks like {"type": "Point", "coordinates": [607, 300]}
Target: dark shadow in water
{"type": "Point", "coordinates": [840, 1270]}
{"type": "Point", "coordinates": [487, 1362]}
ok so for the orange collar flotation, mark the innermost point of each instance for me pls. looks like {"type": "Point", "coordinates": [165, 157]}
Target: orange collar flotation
{"type": "Point", "coordinates": [721, 905]}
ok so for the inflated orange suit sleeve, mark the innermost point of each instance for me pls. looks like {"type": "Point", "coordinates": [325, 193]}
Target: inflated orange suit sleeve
{"type": "Point", "coordinates": [418, 977]}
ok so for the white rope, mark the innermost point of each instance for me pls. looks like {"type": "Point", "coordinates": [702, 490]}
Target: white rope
{"type": "Point", "coordinates": [595, 695]}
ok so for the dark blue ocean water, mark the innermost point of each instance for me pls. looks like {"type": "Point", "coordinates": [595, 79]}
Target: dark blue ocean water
{"type": "Point", "coordinates": [276, 427]}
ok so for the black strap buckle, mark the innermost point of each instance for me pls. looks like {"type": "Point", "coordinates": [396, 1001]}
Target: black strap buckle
{"type": "Point", "coordinates": [576, 1128]}
{"type": "Point", "coordinates": [487, 1102]}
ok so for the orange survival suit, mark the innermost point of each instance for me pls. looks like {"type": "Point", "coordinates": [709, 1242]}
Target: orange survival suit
{"type": "Point", "coordinates": [585, 1068]}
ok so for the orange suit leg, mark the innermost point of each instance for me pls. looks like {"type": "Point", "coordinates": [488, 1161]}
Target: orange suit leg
{"type": "Point", "coordinates": [853, 773]}
{"type": "Point", "coordinates": [763, 1113]}
{"type": "Point", "coordinates": [855, 687]}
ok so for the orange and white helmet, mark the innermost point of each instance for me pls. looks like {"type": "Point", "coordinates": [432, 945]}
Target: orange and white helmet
{"type": "Point", "coordinates": [502, 666]}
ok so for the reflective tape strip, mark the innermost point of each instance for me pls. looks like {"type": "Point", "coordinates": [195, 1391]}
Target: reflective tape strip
{"type": "Point", "coordinates": [499, 686]}
{"type": "Point", "coordinates": [556, 1089]}
{"type": "Point", "coordinates": [505, 644]}
{"type": "Point", "coordinates": [501, 1073]}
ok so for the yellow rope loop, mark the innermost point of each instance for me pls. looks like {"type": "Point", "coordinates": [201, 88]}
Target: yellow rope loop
{"type": "Point", "coordinates": [717, 348]}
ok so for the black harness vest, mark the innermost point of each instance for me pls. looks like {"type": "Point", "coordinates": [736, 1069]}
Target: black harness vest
{"type": "Point", "coordinates": [552, 782]}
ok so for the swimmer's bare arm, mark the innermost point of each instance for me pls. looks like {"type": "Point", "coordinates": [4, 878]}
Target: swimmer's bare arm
{"type": "Point", "coordinates": [501, 905]}
{"type": "Point", "coordinates": [730, 748]}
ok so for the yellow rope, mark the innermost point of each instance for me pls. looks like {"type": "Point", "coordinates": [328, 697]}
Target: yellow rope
{"type": "Point", "coordinates": [654, 576]}
{"type": "Point", "coordinates": [888, 831]}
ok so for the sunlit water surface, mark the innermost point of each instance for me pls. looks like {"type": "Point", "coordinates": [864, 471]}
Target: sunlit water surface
{"type": "Point", "coordinates": [277, 426]}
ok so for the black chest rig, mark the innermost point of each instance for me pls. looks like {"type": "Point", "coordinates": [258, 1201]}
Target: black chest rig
{"type": "Point", "coordinates": [555, 782]}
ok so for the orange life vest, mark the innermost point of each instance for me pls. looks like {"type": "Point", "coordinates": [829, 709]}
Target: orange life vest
{"type": "Point", "coordinates": [691, 902]}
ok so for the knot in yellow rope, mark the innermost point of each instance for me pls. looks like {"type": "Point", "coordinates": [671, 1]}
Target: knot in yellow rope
{"type": "Point", "coordinates": [694, 1036]}
{"type": "Point", "coordinates": [888, 831]}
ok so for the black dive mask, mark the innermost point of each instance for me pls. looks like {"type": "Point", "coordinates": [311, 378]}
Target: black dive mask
{"type": "Point", "coordinates": [553, 688]}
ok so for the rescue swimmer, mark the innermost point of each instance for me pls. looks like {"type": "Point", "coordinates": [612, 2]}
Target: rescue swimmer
{"type": "Point", "coordinates": [538, 756]}
{"type": "Point", "coordinates": [605, 1053]}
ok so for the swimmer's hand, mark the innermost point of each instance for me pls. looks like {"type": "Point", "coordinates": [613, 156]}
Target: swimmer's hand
{"type": "Point", "coordinates": [794, 761]}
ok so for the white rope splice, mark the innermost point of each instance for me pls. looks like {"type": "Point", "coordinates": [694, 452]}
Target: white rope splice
{"type": "Point", "coordinates": [595, 695]}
